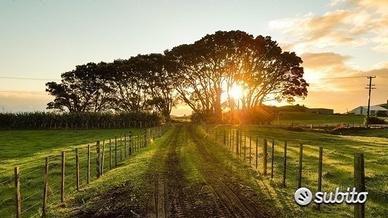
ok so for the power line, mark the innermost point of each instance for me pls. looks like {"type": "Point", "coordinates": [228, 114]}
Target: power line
{"type": "Point", "coordinates": [28, 78]}
{"type": "Point", "coordinates": [28, 92]}
{"type": "Point", "coordinates": [345, 77]}
{"type": "Point", "coordinates": [370, 86]}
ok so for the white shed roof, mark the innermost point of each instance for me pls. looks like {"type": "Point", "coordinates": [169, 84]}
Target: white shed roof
{"type": "Point", "coordinates": [373, 108]}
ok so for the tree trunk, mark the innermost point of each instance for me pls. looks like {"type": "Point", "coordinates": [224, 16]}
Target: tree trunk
{"type": "Point", "coordinates": [217, 105]}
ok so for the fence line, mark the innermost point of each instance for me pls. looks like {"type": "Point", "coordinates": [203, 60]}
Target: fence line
{"type": "Point", "coordinates": [70, 168]}
{"type": "Point", "coordinates": [236, 144]}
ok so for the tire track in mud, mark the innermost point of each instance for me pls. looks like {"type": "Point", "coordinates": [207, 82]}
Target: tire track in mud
{"type": "Point", "coordinates": [230, 196]}
{"type": "Point", "coordinates": [168, 197]}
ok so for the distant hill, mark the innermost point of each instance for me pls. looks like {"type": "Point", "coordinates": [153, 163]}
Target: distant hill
{"type": "Point", "coordinates": [384, 105]}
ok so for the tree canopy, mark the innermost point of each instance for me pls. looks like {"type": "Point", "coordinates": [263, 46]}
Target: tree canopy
{"type": "Point", "coordinates": [200, 74]}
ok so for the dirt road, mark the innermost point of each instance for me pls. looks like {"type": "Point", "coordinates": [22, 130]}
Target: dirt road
{"type": "Point", "coordinates": [188, 176]}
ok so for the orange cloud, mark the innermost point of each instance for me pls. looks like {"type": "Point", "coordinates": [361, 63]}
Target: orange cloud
{"type": "Point", "coordinates": [363, 22]}
{"type": "Point", "coordinates": [323, 60]}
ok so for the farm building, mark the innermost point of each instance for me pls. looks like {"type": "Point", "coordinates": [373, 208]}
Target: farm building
{"type": "Point", "coordinates": [384, 105]}
{"type": "Point", "coordinates": [374, 110]}
{"type": "Point", "coordinates": [320, 111]}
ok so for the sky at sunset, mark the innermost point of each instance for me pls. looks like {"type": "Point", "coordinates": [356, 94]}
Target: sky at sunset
{"type": "Point", "coordinates": [340, 41]}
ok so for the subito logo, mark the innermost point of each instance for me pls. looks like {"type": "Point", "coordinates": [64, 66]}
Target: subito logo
{"type": "Point", "coordinates": [303, 196]}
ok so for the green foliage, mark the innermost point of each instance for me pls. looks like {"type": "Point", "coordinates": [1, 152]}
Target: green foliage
{"type": "Point", "coordinates": [382, 114]}
{"type": "Point", "coordinates": [138, 84]}
{"type": "Point", "coordinates": [217, 62]}
{"type": "Point", "coordinates": [292, 108]}
{"type": "Point", "coordinates": [198, 73]}
{"type": "Point", "coordinates": [81, 120]}
{"type": "Point", "coordinates": [374, 120]}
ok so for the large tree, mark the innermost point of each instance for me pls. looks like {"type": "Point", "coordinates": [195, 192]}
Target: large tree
{"type": "Point", "coordinates": [200, 73]}
{"type": "Point", "coordinates": [141, 83]}
{"type": "Point", "coordinates": [158, 73]}
{"type": "Point", "coordinates": [213, 64]}
{"type": "Point", "coordinates": [82, 89]}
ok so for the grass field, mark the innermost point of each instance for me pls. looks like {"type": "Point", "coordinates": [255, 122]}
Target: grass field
{"type": "Point", "coordinates": [27, 149]}
{"type": "Point", "coordinates": [195, 172]}
{"type": "Point", "coordinates": [176, 176]}
{"type": "Point", "coordinates": [338, 160]}
{"type": "Point", "coordinates": [304, 118]}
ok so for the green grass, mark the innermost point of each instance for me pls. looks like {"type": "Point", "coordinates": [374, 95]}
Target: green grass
{"type": "Point", "coordinates": [337, 167]}
{"type": "Point", "coordinates": [381, 133]}
{"type": "Point", "coordinates": [129, 180]}
{"type": "Point", "coordinates": [288, 118]}
{"type": "Point", "coordinates": [28, 148]}
{"type": "Point", "coordinates": [131, 187]}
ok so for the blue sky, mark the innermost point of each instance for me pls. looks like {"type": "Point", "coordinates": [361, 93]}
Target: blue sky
{"type": "Point", "coordinates": [42, 39]}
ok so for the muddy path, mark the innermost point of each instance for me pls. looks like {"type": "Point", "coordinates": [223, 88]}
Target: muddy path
{"type": "Point", "coordinates": [184, 178]}
{"type": "Point", "coordinates": [234, 198]}
{"type": "Point", "coordinates": [169, 199]}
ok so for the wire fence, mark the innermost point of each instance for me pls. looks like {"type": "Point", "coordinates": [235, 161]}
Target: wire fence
{"type": "Point", "coordinates": [39, 184]}
{"type": "Point", "coordinates": [289, 164]}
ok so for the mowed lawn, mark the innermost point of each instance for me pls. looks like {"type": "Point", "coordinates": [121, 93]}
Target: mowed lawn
{"type": "Point", "coordinates": [338, 159]}
{"type": "Point", "coordinates": [28, 148]}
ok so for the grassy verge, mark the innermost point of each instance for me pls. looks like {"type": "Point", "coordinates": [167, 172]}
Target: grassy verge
{"type": "Point", "coordinates": [123, 187]}
{"type": "Point", "coordinates": [338, 160]}
{"type": "Point", "coordinates": [28, 149]}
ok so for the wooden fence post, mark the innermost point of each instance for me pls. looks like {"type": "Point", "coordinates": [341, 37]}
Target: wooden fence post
{"type": "Point", "coordinates": [110, 154]}
{"type": "Point", "coordinates": [224, 137]}
{"type": "Point", "coordinates": [230, 139]}
{"type": "Point", "coordinates": [126, 146]}
{"type": "Point", "coordinates": [102, 157]}
{"type": "Point", "coordinates": [45, 187]}
{"type": "Point", "coordinates": [237, 142]}
{"type": "Point", "coordinates": [245, 147]}
{"type": "Point", "coordinates": [250, 151]}
{"type": "Point", "coordinates": [272, 156]}
{"type": "Point", "coordinates": [98, 159]}
{"type": "Point", "coordinates": [135, 142]}
{"type": "Point", "coordinates": [300, 165]}
{"type": "Point", "coordinates": [265, 157]}
{"type": "Point", "coordinates": [359, 183]}
{"type": "Point", "coordinates": [145, 139]}
{"type": "Point", "coordinates": [77, 168]}
{"type": "Point", "coordinates": [285, 164]}
{"type": "Point", "coordinates": [320, 166]}
{"type": "Point", "coordinates": [18, 199]}
{"type": "Point", "coordinates": [115, 151]}
{"type": "Point", "coordinates": [63, 177]}
{"type": "Point", "coordinates": [88, 167]}
{"type": "Point", "coordinates": [257, 150]}
{"type": "Point", "coordinates": [240, 144]}
{"type": "Point", "coordinates": [120, 149]}
{"type": "Point", "coordinates": [130, 143]}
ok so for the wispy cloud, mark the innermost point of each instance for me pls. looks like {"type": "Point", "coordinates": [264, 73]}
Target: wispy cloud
{"type": "Point", "coordinates": [359, 23]}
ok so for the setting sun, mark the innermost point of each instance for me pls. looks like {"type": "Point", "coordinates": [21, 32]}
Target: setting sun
{"type": "Point", "coordinates": [236, 92]}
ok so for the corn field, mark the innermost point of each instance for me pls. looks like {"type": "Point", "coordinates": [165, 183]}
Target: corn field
{"type": "Point", "coordinates": [85, 120]}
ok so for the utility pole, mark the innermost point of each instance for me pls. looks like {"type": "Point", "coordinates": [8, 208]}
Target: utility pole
{"type": "Point", "coordinates": [370, 86]}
